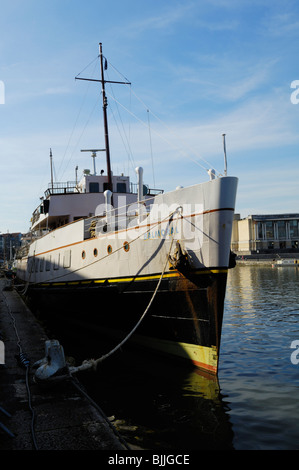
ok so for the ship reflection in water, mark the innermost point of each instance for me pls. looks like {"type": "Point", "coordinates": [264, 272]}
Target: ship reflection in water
{"type": "Point", "coordinates": [159, 406]}
{"type": "Point", "coordinates": [155, 403]}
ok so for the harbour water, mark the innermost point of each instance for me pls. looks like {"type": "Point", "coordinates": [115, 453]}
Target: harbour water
{"type": "Point", "coordinates": [253, 405]}
{"type": "Point", "coordinates": [257, 376]}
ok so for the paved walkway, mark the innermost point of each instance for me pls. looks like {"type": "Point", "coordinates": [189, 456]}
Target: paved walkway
{"type": "Point", "coordinates": [34, 416]}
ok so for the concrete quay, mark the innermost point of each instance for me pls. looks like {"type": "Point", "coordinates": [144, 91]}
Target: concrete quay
{"type": "Point", "coordinates": [35, 416]}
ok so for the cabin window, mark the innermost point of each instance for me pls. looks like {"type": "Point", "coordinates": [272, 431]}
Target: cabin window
{"type": "Point", "coordinates": [109, 249]}
{"type": "Point", "coordinates": [46, 206]}
{"type": "Point", "coordinates": [48, 263]}
{"type": "Point", "coordinates": [95, 252]}
{"type": "Point", "coordinates": [56, 261]}
{"type": "Point", "coordinates": [94, 188]}
{"type": "Point", "coordinates": [121, 188]}
{"type": "Point", "coordinates": [67, 259]}
{"type": "Point", "coordinates": [126, 246]}
{"type": "Point", "coordinates": [83, 254]}
{"type": "Point", "coordinates": [31, 264]}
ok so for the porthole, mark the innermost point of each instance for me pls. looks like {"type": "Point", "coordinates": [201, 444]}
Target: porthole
{"type": "Point", "coordinates": [95, 252]}
{"type": "Point", "coordinates": [126, 246]}
{"type": "Point", "coordinates": [83, 254]}
{"type": "Point", "coordinates": [109, 249]}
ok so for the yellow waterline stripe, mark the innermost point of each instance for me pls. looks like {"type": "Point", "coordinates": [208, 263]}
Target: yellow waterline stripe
{"type": "Point", "coordinates": [143, 278]}
{"type": "Point", "coordinates": [138, 278]}
{"type": "Point", "coordinates": [157, 276]}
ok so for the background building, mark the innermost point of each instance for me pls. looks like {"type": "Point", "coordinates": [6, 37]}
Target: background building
{"type": "Point", "coordinates": [9, 243]}
{"type": "Point", "coordinates": [278, 233]}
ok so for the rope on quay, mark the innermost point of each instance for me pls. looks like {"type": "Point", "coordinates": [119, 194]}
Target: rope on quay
{"type": "Point", "coordinates": [24, 362]}
{"type": "Point", "coordinates": [79, 387]}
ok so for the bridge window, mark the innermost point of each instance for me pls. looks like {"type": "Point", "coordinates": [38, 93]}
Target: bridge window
{"type": "Point", "coordinates": [94, 188]}
{"type": "Point", "coordinates": [121, 188]}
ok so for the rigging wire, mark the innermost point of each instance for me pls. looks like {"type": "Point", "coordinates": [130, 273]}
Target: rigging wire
{"type": "Point", "coordinates": [172, 132]}
{"type": "Point", "coordinates": [77, 118]}
{"type": "Point", "coordinates": [94, 60]}
{"type": "Point", "coordinates": [81, 135]}
{"type": "Point", "coordinates": [74, 126]}
{"type": "Point", "coordinates": [127, 145]}
{"type": "Point", "coordinates": [167, 127]}
{"type": "Point", "coordinates": [151, 147]}
{"type": "Point", "coordinates": [161, 136]}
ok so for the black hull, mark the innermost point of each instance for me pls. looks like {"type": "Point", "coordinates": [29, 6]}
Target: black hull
{"type": "Point", "coordinates": [184, 319]}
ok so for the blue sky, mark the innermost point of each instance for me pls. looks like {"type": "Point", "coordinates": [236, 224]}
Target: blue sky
{"type": "Point", "coordinates": [198, 69]}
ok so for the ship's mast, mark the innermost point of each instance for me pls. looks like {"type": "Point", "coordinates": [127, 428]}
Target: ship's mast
{"type": "Point", "coordinates": [51, 165]}
{"type": "Point", "coordinates": [105, 104]}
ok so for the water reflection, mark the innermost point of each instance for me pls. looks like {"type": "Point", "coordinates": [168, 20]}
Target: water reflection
{"type": "Point", "coordinates": [256, 374]}
{"type": "Point", "coordinates": [161, 406]}
{"type": "Point", "coordinates": [253, 288]}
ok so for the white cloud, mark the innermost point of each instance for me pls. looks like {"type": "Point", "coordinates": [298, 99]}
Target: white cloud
{"type": "Point", "coordinates": [163, 21]}
{"type": "Point", "coordinates": [229, 80]}
{"type": "Point", "coordinates": [282, 24]}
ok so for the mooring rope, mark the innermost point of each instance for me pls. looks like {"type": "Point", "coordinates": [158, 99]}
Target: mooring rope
{"type": "Point", "coordinates": [24, 362]}
{"type": "Point", "coordinates": [92, 363]}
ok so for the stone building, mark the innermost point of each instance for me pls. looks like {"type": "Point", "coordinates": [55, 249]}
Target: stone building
{"type": "Point", "coordinates": [261, 234]}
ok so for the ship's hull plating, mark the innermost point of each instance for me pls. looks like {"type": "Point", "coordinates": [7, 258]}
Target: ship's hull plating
{"type": "Point", "coordinates": [109, 280]}
{"type": "Point", "coordinates": [184, 320]}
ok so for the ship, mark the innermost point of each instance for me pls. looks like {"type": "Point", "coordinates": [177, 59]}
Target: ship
{"type": "Point", "coordinates": [134, 261]}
